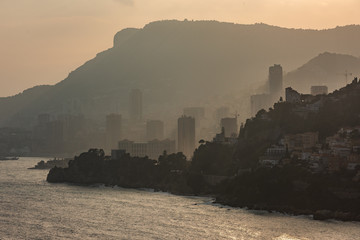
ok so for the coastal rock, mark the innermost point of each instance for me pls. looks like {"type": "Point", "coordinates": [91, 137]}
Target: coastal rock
{"type": "Point", "coordinates": [56, 175]}
{"type": "Point", "coordinates": [323, 215]}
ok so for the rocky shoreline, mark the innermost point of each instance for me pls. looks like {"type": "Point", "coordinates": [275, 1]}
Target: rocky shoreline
{"type": "Point", "coordinates": [56, 162]}
{"type": "Point", "coordinates": [314, 214]}
{"type": "Point", "coordinates": [265, 189]}
{"type": "Point", "coordinates": [322, 214]}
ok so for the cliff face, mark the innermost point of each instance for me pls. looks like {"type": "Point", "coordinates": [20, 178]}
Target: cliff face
{"type": "Point", "coordinates": [179, 64]}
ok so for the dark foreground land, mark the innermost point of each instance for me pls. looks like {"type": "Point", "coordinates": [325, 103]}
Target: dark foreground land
{"type": "Point", "coordinates": [288, 189]}
{"type": "Point", "coordinates": [61, 163]}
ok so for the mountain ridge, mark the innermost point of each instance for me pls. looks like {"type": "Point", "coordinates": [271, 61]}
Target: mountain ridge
{"type": "Point", "coordinates": [179, 63]}
{"type": "Point", "coordinates": [325, 69]}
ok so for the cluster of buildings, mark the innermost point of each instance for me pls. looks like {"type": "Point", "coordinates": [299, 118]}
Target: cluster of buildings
{"type": "Point", "coordinates": [185, 142]}
{"type": "Point", "coordinates": [294, 96]}
{"type": "Point", "coordinates": [275, 92]}
{"type": "Point", "coordinates": [341, 151]}
{"type": "Point", "coordinates": [68, 134]}
{"type": "Point", "coordinates": [291, 145]}
{"type": "Point", "coordinates": [154, 143]}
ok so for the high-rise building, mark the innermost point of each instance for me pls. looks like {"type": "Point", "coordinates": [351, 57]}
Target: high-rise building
{"type": "Point", "coordinates": [198, 113]}
{"type": "Point", "coordinates": [230, 127]}
{"type": "Point", "coordinates": [135, 105]}
{"type": "Point", "coordinates": [319, 90]}
{"type": "Point", "coordinates": [153, 149]}
{"type": "Point", "coordinates": [275, 80]}
{"type": "Point", "coordinates": [113, 130]}
{"type": "Point", "coordinates": [186, 135]}
{"type": "Point", "coordinates": [154, 130]}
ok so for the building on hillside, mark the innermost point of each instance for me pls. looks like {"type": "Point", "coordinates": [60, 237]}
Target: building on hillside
{"type": "Point", "coordinates": [273, 156]}
{"type": "Point", "coordinates": [319, 90]}
{"type": "Point", "coordinates": [301, 141]}
{"type": "Point", "coordinates": [353, 161]}
{"type": "Point", "coordinates": [335, 163]}
{"type": "Point", "coordinates": [342, 151]}
{"type": "Point", "coordinates": [294, 96]}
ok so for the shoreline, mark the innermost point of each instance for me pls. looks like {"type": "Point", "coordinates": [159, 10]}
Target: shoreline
{"type": "Point", "coordinates": [319, 215]}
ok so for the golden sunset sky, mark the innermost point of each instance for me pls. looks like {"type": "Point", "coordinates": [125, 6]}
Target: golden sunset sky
{"type": "Point", "coordinates": [41, 41]}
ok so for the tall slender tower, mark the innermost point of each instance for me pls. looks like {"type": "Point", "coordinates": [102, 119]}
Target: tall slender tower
{"type": "Point", "coordinates": [135, 105]}
{"type": "Point", "coordinates": [186, 135]}
{"type": "Point", "coordinates": [275, 80]}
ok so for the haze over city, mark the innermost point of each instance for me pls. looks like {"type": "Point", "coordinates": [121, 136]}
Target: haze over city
{"type": "Point", "coordinates": [169, 119]}
{"type": "Point", "coordinates": [47, 39]}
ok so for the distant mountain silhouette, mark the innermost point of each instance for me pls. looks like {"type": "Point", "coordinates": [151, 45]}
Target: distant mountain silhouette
{"type": "Point", "coordinates": [177, 64]}
{"type": "Point", "coordinates": [16, 108]}
{"type": "Point", "coordinates": [326, 69]}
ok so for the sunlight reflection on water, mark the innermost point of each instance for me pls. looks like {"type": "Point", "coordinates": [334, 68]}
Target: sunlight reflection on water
{"type": "Point", "coordinates": [31, 208]}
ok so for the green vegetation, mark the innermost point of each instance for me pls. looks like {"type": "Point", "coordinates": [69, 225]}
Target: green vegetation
{"type": "Point", "coordinates": [213, 159]}
{"type": "Point", "coordinates": [292, 189]}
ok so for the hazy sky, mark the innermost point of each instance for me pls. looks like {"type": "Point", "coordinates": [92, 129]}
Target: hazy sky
{"type": "Point", "coordinates": [41, 41]}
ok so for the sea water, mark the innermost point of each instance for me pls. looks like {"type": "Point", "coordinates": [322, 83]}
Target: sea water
{"type": "Point", "coordinates": [31, 208]}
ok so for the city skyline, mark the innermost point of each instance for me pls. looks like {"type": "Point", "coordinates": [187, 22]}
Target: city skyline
{"type": "Point", "coordinates": [205, 119]}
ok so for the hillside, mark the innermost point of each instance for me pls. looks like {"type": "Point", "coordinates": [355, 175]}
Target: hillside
{"type": "Point", "coordinates": [179, 64]}
{"type": "Point", "coordinates": [16, 108]}
{"type": "Point", "coordinates": [326, 69]}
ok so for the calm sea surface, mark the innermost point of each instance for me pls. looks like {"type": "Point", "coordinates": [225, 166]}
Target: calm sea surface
{"type": "Point", "coordinates": [31, 208]}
